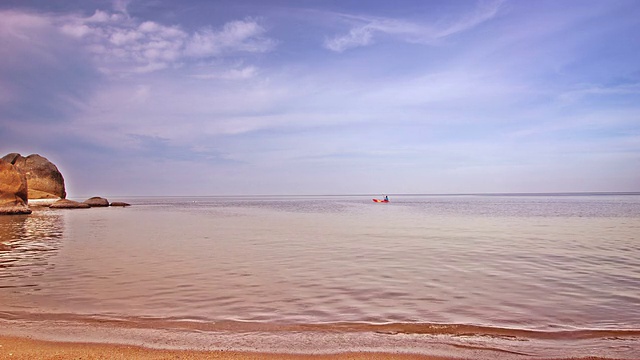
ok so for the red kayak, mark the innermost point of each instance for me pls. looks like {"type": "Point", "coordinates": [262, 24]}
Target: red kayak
{"type": "Point", "coordinates": [379, 200]}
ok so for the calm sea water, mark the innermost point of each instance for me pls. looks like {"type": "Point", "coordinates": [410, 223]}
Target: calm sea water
{"type": "Point", "coordinates": [543, 275]}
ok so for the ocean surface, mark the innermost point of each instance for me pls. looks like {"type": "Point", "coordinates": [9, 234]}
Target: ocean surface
{"type": "Point", "coordinates": [521, 276]}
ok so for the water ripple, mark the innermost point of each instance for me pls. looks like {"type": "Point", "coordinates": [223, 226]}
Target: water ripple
{"type": "Point", "coordinates": [484, 261]}
{"type": "Point", "coordinates": [29, 243]}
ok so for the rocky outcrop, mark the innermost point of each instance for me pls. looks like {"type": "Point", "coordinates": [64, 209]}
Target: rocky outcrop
{"type": "Point", "coordinates": [36, 181]}
{"type": "Point", "coordinates": [68, 204]}
{"type": "Point", "coordinates": [120, 203]}
{"type": "Point", "coordinates": [44, 180]}
{"type": "Point", "coordinates": [97, 201]}
{"type": "Point", "coordinates": [13, 190]}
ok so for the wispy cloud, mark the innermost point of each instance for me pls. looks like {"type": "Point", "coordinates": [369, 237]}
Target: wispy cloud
{"type": "Point", "coordinates": [486, 10]}
{"type": "Point", "coordinates": [357, 36]}
{"type": "Point", "coordinates": [240, 73]}
{"type": "Point", "coordinates": [591, 90]}
{"type": "Point", "coordinates": [364, 29]}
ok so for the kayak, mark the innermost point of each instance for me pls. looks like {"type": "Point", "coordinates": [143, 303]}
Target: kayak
{"type": "Point", "coordinates": [379, 200]}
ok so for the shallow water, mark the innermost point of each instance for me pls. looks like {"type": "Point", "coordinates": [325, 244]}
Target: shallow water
{"type": "Point", "coordinates": [519, 267]}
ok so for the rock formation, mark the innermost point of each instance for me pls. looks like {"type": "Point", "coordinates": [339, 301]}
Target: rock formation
{"type": "Point", "coordinates": [13, 190]}
{"type": "Point", "coordinates": [68, 204]}
{"type": "Point", "coordinates": [97, 201]}
{"type": "Point", "coordinates": [44, 180]}
{"type": "Point", "coordinates": [36, 180]}
{"type": "Point", "coordinates": [120, 203]}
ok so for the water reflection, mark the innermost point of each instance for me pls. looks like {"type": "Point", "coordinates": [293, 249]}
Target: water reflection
{"type": "Point", "coordinates": [27, 244]}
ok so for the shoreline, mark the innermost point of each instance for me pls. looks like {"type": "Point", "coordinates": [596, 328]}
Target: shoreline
{"type": "Point", "coordinates": [23, 348]}
{"type": "Point", "coordinates": [64, 336]}
{"type": "Point", "coordinates": [65, 340]}
{"type": "Point", "coordinates": [26, 348]}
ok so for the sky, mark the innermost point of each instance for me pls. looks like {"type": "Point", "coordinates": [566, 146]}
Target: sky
{"type": "Point", "coordinates": [199, 97]}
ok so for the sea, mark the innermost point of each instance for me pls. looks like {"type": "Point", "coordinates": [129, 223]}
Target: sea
{"type": "Point", "coordinates": [509, 276]}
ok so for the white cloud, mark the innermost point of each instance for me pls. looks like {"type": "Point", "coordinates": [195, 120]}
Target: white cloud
{"type": "Point", "coordinates": [243, 35]}
{"type": "Point", "coordinates": [360, 36]}
{"type": "Point", "coordinates": [75, 30]}
{"type": "Point", "coordinates": [103, 17]}
{"type": "Point", "coordinates": [121, 44]}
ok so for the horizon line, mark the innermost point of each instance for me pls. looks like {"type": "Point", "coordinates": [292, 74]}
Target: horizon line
{"type": "Point", "coordinates": [565, 193]}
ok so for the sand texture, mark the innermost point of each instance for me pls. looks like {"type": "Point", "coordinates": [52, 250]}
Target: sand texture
{"type": "Point", "coordinates": [20, 348]}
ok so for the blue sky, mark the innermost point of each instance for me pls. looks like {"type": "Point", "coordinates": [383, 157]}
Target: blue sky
{"type": "Point", "coordinates": [158, 97]}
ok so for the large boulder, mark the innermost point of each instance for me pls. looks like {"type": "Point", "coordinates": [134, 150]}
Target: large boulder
{"type": "Point", "coordinates": [97, 201]}
{"type": "Point", "coordinates": [13, 190]}
{"type": "Point", "coordinates": [44, 180]}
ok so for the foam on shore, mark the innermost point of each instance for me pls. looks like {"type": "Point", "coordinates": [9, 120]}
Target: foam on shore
{"type": "Point", "coordinates": [126, 340]}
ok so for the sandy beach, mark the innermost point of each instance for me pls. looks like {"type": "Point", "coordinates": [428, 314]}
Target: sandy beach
{"type": "Point", "coordinates": [22, 348]}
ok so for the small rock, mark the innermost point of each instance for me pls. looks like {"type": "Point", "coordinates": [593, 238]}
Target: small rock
{"type": "Point", "coordinates": [120, 203]}
{"type": "Point", "coordinates": [97, 201]}
{"type": "Point", "coordinates": [68, 204]}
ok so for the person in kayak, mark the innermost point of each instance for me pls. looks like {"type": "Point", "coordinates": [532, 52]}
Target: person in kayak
{"type": "Point", "coordinates": [386, 198]}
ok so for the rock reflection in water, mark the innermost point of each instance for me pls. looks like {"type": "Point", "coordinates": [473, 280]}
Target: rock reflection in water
{"type": "Point", "coordinates": [27, 244]}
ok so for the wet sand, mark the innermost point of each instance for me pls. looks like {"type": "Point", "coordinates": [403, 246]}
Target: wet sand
{"type": "Point", "coordinates": [22, 348]}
